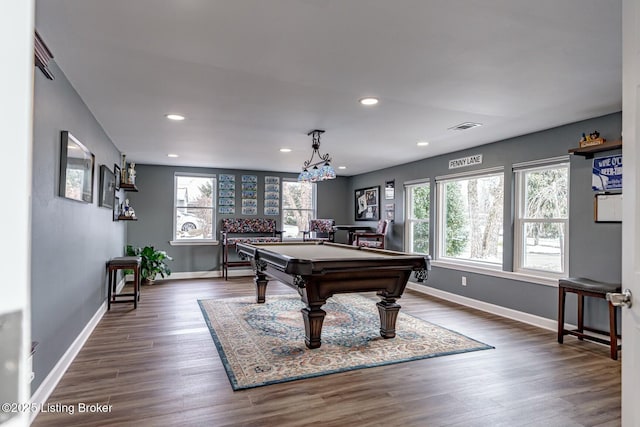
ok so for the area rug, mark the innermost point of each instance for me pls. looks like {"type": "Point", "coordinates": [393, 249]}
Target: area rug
{"type": "Point", "coordinates": [262, 344]}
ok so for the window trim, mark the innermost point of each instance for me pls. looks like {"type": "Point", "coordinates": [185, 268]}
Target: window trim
{"type": "Point", "coordinates": [541, 163]}
{"type": "Point", "coordinates": [314, 213]}
{"type": "Point", "coordinates": [408, 217]}
{"type": "Point", "coordinates": [470, 174]}
{"type": "Point", "coordinates": [523, 277]}
{"type": "Point", "coordinates": [441, 222]}
{"type": "Point", "coordinates": [214, 232]}
{"type": "Point", "coordinates": [519, 171]}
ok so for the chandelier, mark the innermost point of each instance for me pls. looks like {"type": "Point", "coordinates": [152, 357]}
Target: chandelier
{"type": "Point", "coordinates": [310, 171]}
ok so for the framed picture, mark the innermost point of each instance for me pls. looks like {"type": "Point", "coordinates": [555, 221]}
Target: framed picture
{"type": "Point", "coordinates": [116, 208]}
{"type": "Point", "coordinates": [118, 173]}
{"type": "Point", "coordinates": [607, 207]}
{"type": "Point", "coordinates": [107, 187]}
{"type": "Point", "coordinates": [76, 169]}
{"type": "Point", "coordinates": [390, 211]}
{"type": "Point", "coordinates": [367, 204]}
{"type": "Point", "coordinates": [390, 190]}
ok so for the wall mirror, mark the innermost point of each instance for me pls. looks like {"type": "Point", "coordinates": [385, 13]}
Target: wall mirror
{"type": "Point", "coordinates": [76, 170]}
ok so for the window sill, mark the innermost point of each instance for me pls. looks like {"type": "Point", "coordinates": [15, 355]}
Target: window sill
{"type": "Point", "coordinates": [194, 242]}
{"type": "Point", "coordinates": [540, 280]}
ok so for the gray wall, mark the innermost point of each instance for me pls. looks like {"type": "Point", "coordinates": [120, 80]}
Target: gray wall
{"type": "Point", "coordinates": [153, 204]}
{"type": "Point", "coordinates": [595, 248]}
{"type": "Point", "coordinates": [71, 241]}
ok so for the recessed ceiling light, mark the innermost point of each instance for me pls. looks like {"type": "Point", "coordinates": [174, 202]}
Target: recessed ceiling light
{"type": "Point", "coordinates": [172, 155]}
{"type": "Point", "coordinates": [369, 101]}
{"type": "Point", "coordinates": [342, 167]}
{"type": "Point", "coordinates": [285, 150]}
{"type": "Point", "coordinates": [177, 117]}
{"type": "Point", "coordinates": [422, 143]}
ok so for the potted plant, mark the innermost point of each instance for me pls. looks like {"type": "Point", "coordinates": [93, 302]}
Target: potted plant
{"type": "Point", "coordinates": [153, 262]}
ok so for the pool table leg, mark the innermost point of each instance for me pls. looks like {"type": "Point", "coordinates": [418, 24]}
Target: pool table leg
{"type": "Point", "coordinates": [261, 286]}
{"type": "Point", "coordinates": [388, 310]}
{"type": "Point", "coordinates": [313, 317]}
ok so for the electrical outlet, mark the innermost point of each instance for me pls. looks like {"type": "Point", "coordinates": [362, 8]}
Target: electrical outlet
{"type": "Point", "coordinates": [464, 281]}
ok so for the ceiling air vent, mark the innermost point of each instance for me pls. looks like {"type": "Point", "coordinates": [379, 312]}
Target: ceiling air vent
{"type": "Point", "coordinates": [465, 126]}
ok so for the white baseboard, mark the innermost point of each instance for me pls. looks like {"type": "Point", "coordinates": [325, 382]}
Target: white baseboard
{"type": "Point", "coordinates": [531, 319]}
{"type": "Point", "coordinates": [51, 381]}
{"type": "Point", "coordinates": [240, 272]}
{"type": "Point", "coordinates": [193, 275]}
{"type": "Point", "coordinates": [236, 272]}
{"type": "Point", "coordinates": [520, 316]}
{"type": "Point", "coordinates": [120, 285]}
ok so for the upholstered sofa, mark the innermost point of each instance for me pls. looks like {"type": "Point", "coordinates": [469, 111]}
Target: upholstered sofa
{"type": "Point", "coordinates": [245, 230]}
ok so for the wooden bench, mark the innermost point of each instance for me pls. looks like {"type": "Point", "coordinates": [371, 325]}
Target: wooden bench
{"type": "Point", "coordinates": [586, 287]}
{"type": "Point", "coordinates": [245, 230]}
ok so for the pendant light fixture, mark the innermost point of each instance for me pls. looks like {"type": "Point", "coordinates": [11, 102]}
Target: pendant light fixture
{"type": "Point", "coordinates": [310, 171]}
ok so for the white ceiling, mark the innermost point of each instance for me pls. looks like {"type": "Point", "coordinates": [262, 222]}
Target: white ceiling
{"type": "Point", "coordinates": [253, 76]}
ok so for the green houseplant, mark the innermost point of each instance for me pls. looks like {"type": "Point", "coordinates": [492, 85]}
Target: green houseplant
{"type": "Point", "coordinates": [153, 262]}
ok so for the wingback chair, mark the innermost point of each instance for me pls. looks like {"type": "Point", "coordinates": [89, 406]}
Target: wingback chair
{"type": "Point", "coordinates": [320, 230]}
{"type": "Point", "coordinates": [369, 239]}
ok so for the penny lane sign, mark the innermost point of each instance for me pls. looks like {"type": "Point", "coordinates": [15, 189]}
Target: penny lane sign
{"type": "Point", "coordinates": [465, 161]}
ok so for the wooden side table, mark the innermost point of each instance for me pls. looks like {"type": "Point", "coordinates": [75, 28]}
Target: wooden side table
{"type": "Point", "coordinates": [123, 263]}
{"type": "Point", "coordinates": [591, 288]}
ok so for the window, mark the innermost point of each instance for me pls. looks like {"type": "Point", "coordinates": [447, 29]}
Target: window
{"type": "Point", "coordinates": [470, 217]}
{"type": "Point", "coordinates": [194, 207]}
{"type": "Point", "coordinates": [542, 220]}
{"type": "Point", "coordinates": [417, 222]}
{"type": "Point", "coordinates": [298, 207]}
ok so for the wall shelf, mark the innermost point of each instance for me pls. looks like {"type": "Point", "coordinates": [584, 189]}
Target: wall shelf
{"type": "Point", "coordinates": [129, 187]}
{"type": "Point", "coordinates": [126, 218]}
{"type": "Point", "coordinates": [588, 152]}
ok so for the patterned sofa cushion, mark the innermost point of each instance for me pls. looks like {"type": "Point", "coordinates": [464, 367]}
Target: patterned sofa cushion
{"type": "Point", "coordinates": [249, 239]}
{"type": "Point", "coordinates": [249, 230]}
{"type": "Point", "coordinates": [248, 225]}
{"type": "Point", "coordinates": [371, 243]}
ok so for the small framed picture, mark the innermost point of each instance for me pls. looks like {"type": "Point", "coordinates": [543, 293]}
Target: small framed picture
{"type": "Point", "coordinates": [389, 190]}
{"type": "Point", "coordinates": [390, 211]}
{"type": "Point", "coordinates": [116, 208]}
{"type": "Point", "coordinates": [118, 175]}
{"type": "Point", "coordinates": [107, 187]}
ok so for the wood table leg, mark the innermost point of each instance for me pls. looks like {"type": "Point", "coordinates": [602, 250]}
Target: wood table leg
{"type": "Point", "coordinates": [388, 310]}
{"type": "Point", "coordinates": [613, 331]}
{"type": "Point", "coordinates": [580, 314]}
{"type": "Point", "coordinates": [313, 317]}
{"type": "Point", "coordinates": [261, 286]}
{"type": "Point", "coordinates": [561, 300]}
{"type": "Point", "coordinates": [109, 289]}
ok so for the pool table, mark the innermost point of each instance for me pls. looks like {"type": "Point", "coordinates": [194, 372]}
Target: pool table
{"type": "Point", "coordinates": [317, 270]}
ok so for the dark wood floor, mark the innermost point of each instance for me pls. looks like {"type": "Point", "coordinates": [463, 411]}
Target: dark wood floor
{"type": "Point", "coordinates": [158, 366]}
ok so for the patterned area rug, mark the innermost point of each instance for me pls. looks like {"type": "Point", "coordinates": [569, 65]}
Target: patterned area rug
{"type": "Point", "coordinates": [263, 344]}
